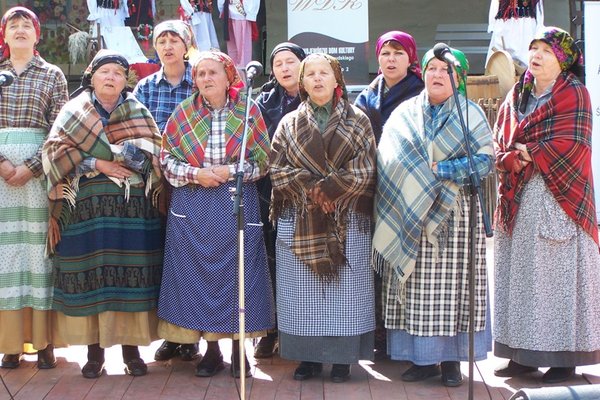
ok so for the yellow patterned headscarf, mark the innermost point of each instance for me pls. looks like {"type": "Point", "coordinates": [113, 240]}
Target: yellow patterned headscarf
{"type": "Point", "coordinates": [181, 29]}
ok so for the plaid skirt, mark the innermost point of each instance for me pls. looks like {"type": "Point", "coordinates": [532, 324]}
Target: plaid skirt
{"type": "Point", "coordinates": [437, 292]}
{"type": "Point", "coordinates": [306, 306]}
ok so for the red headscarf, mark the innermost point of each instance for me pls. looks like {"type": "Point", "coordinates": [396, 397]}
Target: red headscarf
{"type": "Point", "coordinates": [17, 12]}
{"type": "Point", "coordinates": [233, 76]}
{"type": "Point", "coordinates": [407, 42]}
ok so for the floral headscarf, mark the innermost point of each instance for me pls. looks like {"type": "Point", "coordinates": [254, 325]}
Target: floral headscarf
{"type": "Point", "coordinates": [408, 44]}
{"type": "Point", "coordinates": [16, 12]}
{"type": "Point", "coordinates": [461, 71]}
{"type": "Point", "coordinates": [340, 90]}
{"type": "Point", "coordinates": [233, 76]}
{"type": "Point", "coordinates": [564, 48]}
{"type": "Point", "coordinates": [181, 29]}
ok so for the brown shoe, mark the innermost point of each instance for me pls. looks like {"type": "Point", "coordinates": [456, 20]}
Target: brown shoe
{"type": "Point", "coordinates": [46, 359]}
{"type": "Point", "coordinates": [11, 361]}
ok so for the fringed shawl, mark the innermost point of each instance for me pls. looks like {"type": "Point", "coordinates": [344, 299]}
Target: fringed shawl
{"type": "Point", "coordinates": [409, 198]}
{"type": "Point", "coordinates": [558, 137]}
{"type": "Point", "coordinates": [188, 128]}
{"type": "Point", "coordinates": [379, 106]}
{"type": "Point", "coordinates": [78, 133]}
{"type": "Point", "coordinates": [341, 162]}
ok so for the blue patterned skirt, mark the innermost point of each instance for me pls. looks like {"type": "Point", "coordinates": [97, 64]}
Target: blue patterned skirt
{"type": "Point", "coordinates": [199, 289]}
{"type": "Point", "coordinates": [110, 254]}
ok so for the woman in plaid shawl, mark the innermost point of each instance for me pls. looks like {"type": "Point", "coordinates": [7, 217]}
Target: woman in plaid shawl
{"type": "Point", "coordinates": [547, 276]}
{"type": "Point", "coordinates": [28, 107]}
{"type": "Point", "coordinates": [323, 176]}
{"type": "Point", "coordinates": [101, 159]}
{"type": "Point", "coordinates": [200, 152]}
{"type": "Point", "coordinates": [422, 221]}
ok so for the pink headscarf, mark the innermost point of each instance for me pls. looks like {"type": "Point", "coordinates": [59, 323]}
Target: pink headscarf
{"type": "Point", "coordinates": [407, 42]}
{"type": "Point", "coordinates": [13, 13]}
{"type": "Point", "coordinates": [233, 76]}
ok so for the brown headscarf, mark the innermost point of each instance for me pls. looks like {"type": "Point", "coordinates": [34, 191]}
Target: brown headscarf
{"type": "Point", "coordinates": [340, 91]}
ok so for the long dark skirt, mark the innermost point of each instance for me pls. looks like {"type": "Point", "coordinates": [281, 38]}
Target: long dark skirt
{"type": "Point", "coordinates": [199, 289]}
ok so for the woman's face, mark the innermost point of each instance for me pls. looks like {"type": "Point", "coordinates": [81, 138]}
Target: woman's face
{"type": "Point", "coordinates": [437, 81]}
{"type": "Point", "coordinates": [109, 81]}
{"type": "Point", "coordinates": [20, 34]}
{"type": "Point", "coordinates": [211, 80]}
{"type": "Point", "coordinates": [319, 81]}
{"type": "Point", "coordinates": [170, 48]}
{"type": "Point", "coordinates": [393, 63]}
{"type": "Point", "coordinates": [543, 63]}
{"type": "Point", "coordinates": [286, 68]}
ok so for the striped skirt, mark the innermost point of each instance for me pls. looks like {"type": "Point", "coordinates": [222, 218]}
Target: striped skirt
{"type": "Point", "coordinates": [25, 273]}
{"type": "Point", "coordinates": [110, 254]}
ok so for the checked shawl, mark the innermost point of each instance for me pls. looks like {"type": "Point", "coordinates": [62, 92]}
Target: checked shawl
{"type": "Point", "coordinates": [78, 133]}
{"type": "Point", "coordinates": [188, 128]}
{"type": "Point", "coordinates": [409, 197]}
{"type": "Point", "coordinates": [341, 162]}
{"type": "Point", "coordinates": [558, 136]}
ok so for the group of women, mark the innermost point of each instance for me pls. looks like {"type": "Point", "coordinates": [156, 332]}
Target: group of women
{"type": "Point", "coordinates": [137, 213]}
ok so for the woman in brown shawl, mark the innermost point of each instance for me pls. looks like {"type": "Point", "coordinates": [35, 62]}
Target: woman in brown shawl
{"type": "Point", "coordinates": [323, 176]}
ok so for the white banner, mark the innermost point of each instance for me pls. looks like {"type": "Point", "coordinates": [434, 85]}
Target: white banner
{"type": "Point", "coordinates": [336, 27]}
{"type": "Point", "coordinates": [592, 82]}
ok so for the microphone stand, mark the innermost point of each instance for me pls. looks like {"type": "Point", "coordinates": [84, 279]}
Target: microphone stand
{"type": "Point", "coordinates": [475, 193]}
{"type": "Point", "coordinates": [238, 211]}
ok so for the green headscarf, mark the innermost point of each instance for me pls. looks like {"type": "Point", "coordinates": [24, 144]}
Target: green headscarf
{"type": "Point", "coordinates": [461, 70]}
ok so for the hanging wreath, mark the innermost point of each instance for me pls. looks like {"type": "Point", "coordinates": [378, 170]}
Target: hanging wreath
{"type": "Point", "coordinates": [144, 31]}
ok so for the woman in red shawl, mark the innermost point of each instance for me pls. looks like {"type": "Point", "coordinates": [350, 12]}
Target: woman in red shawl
{"type": "Point", "coordinates": [547, 276]}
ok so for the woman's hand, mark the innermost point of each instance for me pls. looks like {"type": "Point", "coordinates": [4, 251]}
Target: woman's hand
{"type": "Point", "coordinates": [21, 176]}
{"type": "Point", "coordinates": [320, 198]}
{"type": "Point", "coordinates": [7, 170]}
{"type": "Point", "coordinates": [524, 158]}
{"type": "Point", "coordinates": [53, 233]}
{"type": "Point", "coordinates": [113, 169]}
{"type": "Point", "coordinates": [212, 176]}
{"type": "Point", "coordinates": [524, 153]}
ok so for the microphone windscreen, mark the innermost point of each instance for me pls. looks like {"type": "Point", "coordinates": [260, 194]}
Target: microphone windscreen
{"type": "Point", "coordinates": [256, 66]}
{"type": "Point", "coordinates": [440, 49]}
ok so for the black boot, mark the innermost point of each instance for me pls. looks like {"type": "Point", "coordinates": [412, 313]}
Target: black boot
{"type": "Point", "coordinates": [95, 364]}
{"type": "Point", "coordinates": [134, 365]}
{"type": "Point", "coordinates": [266, 346]}
{"type": "Point", "coordinates": [212, 362]}
{"type": "Point", "coordinates": [46, 359]}
{"type": "Point", "coordinates": [235, 361]}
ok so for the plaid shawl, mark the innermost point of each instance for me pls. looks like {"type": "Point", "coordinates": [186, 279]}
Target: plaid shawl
{"type": "Point", "coordinates": [341, 162]}
{"type": "Point", "coordinates": [558, 136]}
{"type": "Point", "coordinates": [409, 197]}
{"type": "Point", "coordinates": [187, 130]}
{"type": "Point", "coordinates": [78, 133]}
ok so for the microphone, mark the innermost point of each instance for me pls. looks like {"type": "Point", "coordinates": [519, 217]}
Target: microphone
{"type": "Point", "coordinates": [252, 69]}
{"type": "Point", "coordinates": [6, 78]}
{"type": "Point", "coordinates": [442, 52]}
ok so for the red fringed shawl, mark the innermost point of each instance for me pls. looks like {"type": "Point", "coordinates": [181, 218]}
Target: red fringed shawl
{"type": "Point", "coordinates": [558, 136]}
